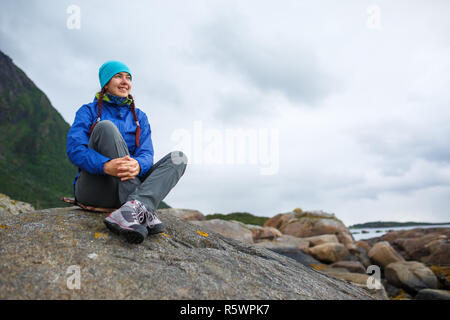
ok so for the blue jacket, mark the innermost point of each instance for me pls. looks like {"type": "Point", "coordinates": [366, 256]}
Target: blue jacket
{"type": "Point", "coordinates": [122, 116]}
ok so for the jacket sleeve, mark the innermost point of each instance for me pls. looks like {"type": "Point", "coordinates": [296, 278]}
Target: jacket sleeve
{"type": "Point", "coordinates": [77, 144]}
{"type": "Point", "coordinates": [144, 154]}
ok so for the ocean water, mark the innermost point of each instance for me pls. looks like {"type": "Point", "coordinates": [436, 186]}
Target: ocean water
{"type": "Point", "coordinates": [378, 232]}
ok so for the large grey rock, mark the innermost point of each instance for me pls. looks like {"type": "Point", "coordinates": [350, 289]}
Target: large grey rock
{"type": "Point", "coordinates": [232, 229]}
{"type": "Point", "coordinates": [360, 280]}
{"type": "Point", "coordinates": [186, 214]}
{"type": "Point", "coordinates": [41, 251]}
{"type": "Point", "coordinates": [291, 247]}
{"type": "Point", "coordinates": [427, 245]}
{"type": "Point", "coordinates": [264, 233]}
{"type": "Point", "coordinates": [329, 252]}
{"type": "Point", "coordinates": [351, 266]}
{"type": "Point", "coordinates": [433, 294]}
{"type": "Point", "coordinates": [411, 276]}
{"type": "Point", "coordinates": [383, 254]}
{"type": "Point", "coordinates": [285, 241]}
{"type": "Point", "coordinates": [321, 239]}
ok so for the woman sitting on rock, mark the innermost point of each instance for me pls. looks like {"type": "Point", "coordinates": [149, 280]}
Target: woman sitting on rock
{"type": "Point", "coordinates": [110, 143]}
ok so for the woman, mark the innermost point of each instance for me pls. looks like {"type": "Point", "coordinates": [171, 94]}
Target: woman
{"type": "Point", "coordinates": [110, 143]}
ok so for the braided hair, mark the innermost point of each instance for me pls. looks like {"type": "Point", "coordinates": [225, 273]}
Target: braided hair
{"type": "Point", "coordinates": [133, 109]}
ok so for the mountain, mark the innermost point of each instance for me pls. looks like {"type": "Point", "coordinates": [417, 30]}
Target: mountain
{"type": "Point", "coordinates": [33, 164]}
{"type": "Point", "coordinates": [34, 167]}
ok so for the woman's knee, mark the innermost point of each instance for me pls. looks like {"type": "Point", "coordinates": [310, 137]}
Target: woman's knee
{"type": "Point", "coordinates": [179, 158]}
{"type": "Point", "coordinates": [106, 125]}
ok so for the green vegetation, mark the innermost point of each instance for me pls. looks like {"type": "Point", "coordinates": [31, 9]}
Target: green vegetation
{"type": "Point", "coordinates": [243, 217]}
{"type": "Point", "coordinates": [33, 164]}
{"type": "Point", "coordinates": [390, 224]}
{"type": "Point", "coordinates": [299, 213]}
{"type": "Point", "coordinates": [34, 167]}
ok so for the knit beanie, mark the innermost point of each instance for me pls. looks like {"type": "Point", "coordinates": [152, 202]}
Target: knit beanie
{"type": "Point", "coordinates": [109, 69]}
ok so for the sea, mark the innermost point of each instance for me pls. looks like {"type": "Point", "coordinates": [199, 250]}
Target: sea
{"type": "Point", "coordinates": [378, 232]}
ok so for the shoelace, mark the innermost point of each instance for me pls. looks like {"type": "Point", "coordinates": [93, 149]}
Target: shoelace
{"type": "Point", "coordinates": [139, 212]}
{"type": "Point", "coordinates": [150, 216]}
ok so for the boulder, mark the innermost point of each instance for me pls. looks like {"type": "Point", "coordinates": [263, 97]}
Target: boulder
{"type": "Point", "coordinates": [433, 294]}
{"type": "Point", "coordinates": [383, 254]}
{"type": "Point", "coordinates": [285, 241]}
{"type": "Point", "coordinates": [10, 206]}
{"type": "Point", "coordinates": [264, 233]}
{"type": "Point", "coordinates": [306, 224]}
{"type": "Point", "coordinates": [362, 256]}
{"type": "Point", "coordinates": [350, 266]}
{"type": "Point", "coordinates": [297, 255]}
{"type": "Point", "coordinates": [44, 253]}
{"type": "Point", "coordinates": [347, 240]}
{"type": "Point", "coordinates": [324, 238]}
{"type": "Point", "coordinates": [329, 252]}
{"type": "Point", "coordinates": [312, 223]}
{"type": "Point", "coordinates": [185, 214]}
{"type": "Point", "coordinates": [363, 244]}
{"type": "Point", "coordinates": [428, 245]}
{"type": "Point", "coordinates": [439, 252]}
{"type": "Point", "coordinates": [232, 229]}
{"type": "Point", "coordinates": [279, 221]}
{"type": "Point", "coordinates": [359, 280]}
{"type": "Point", "coordinates": [410, 275]}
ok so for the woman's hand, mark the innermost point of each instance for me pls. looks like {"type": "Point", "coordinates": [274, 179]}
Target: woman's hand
{"type": "Point", "coordinates": [125, 168]}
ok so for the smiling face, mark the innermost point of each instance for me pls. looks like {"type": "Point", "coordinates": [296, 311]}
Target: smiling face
{"type": "Point", "coordinates": [119, 85]}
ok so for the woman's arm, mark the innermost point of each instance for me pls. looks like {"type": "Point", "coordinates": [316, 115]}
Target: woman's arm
{"type": "Point", "coordinates": [144, 154]}
{"type": "Point", "coordinates": [77, 144]}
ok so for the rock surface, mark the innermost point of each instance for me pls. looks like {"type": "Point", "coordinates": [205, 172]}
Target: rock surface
{"type": "Point", "coordinates": [433, 294]}
{"type": "Point", "coordinates": [324, 238]}
{"type": "Point", "coordinates": [264, 233]}
{"type": "Point", "coordinates": [351, 266]}
{"type": "Point", "coordinates": [383, 254]}
{"type": "Point", "coordinates": [10, 206]}
{"type": "Point", "coordinates": [411, 276]}
{"type": "Point", "coordinates": [41, 251]}
{"type": "Point", "coordinates": [285, 241]}
{"type": "Point", "coordinates": [185, 214]}
{"type": "Point", "coordinates": [329, 252]}
{"type": "Point", "coordinates": [359, 280]}
{"type": "Point", "coordinates": [231, 229]}
{"type": "Point", "coordinates": [312, 224]}
{"type": "Point", "coordinates": [427, 245]}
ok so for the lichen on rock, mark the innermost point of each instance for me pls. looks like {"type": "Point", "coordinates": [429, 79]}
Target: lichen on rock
{"type": "Point", "coordinates": [39, 249]}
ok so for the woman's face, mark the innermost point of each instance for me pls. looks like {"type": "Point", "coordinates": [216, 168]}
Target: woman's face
{"type": "Point", "coordinates": [119, 85]}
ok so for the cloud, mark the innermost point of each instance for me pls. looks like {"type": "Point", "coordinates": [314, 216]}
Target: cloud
{"type": "Point", "coordinates": [281, 66]}
{"type": "Point", "coordinates": [362, 114]}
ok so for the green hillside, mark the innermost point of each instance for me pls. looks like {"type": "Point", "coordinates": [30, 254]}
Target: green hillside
{"type": "Point", "coordinates": [34, 166]}
{"type": "Point", "coordinates": [243, 217]}
{"type": "Point", "coordinates": [391, 224]}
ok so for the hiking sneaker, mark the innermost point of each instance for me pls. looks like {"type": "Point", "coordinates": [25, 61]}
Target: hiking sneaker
{"type": "Point", "coordinates": [128, 221]}
{"type": "Point", "coordinates": [153, 224]}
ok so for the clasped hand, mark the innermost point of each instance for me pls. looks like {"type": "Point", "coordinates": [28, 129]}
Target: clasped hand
{"type": "Point", "coordinates": [125, 168]}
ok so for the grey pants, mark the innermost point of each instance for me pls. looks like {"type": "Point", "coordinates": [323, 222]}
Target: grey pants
{"type": "Point", "coordinates": [110, 192]}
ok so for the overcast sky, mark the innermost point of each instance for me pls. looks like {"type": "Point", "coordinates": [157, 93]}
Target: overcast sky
{"type": "Point", "coordinates": [340, 106]}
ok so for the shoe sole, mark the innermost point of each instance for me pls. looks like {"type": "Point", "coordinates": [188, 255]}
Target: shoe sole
{"type": "Point", "coordinates": [135, 235]}
{"type": "Point", "coordinates": [159, 228]}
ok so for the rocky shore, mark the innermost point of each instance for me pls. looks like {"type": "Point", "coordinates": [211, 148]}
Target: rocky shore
{"type": "Point", "coordinates": [295, 255]}
{"type": "Point", "coordinates": [412, 264]}
{"type": "Point", "coordinates": [68, 253]}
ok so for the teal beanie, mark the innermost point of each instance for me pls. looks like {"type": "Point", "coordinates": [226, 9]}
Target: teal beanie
{"type": "Point", "coordinates": [109, 69]}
